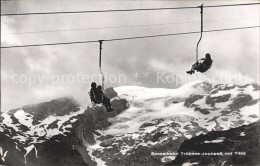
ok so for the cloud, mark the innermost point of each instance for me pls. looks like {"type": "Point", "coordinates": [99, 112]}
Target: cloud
{"type": "Point", "coordinates": [6, 29]}
{"type": "Point", "coordinates": [235, 53]}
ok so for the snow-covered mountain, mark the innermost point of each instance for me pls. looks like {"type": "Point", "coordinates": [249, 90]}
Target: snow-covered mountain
{"type": "Point", "coordinates": [236, 146]}
{"type": "Point", "coordinates": [146, 123]}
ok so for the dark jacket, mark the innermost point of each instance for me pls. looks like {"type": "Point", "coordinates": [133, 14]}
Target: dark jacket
{"type": "Point", "coordinates": [205, 65]}
{"type": "Point", "coordinates": [99, 95]}
{"type": "Point", "coordinates": [92, 95]}
{"type": "Point", "coordinates": [207, 62]}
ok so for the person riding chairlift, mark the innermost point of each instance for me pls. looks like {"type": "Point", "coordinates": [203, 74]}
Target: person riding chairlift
{"type": "Point", "coordinates": [92, 93]}
{"type": "Point", "coordinates": [97, 96]}
{"type": "Point", "coordinates": [202, 66]}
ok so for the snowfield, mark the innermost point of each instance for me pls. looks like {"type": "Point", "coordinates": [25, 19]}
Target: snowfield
{"type": "Point", "coordinates": [155, 117]}
{"type": "Point", "coordinates": [41, 129]}
{"type": "Point", "coordinates": [151, 106]}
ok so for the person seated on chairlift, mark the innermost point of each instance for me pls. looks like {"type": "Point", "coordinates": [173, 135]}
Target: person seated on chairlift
{"type": "Point", "coordinates": [97, 96]}
{"type": "Point", "coordinates": [92, 93]}
{"type": "Point", "coordinates": [202, 66]}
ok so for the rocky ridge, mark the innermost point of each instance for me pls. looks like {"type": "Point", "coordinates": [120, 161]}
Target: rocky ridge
{"type": "Point", "coordinates": [145, 121]}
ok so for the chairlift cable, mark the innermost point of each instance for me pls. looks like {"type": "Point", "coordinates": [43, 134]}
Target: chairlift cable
{"type": "Point", "coordinates": [127, 38]}
{"type": "Point", "coordinates": [124, 26]}
{"type": "Point", "coordinates": [125, 10]}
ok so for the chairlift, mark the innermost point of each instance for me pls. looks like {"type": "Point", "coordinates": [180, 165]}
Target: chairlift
{"type": "Point", "coordinates": [199, 65]}
{"type": "Point", "coordinates": [100, 71]}
{"type": "Point", "coordinates": [201, 32]}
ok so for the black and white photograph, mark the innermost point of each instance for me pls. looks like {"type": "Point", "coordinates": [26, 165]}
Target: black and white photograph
{"type": "Point", "coordinates": [130, 83]}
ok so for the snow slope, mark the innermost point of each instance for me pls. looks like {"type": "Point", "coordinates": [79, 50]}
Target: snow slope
{"type": "Point", "coordinates": [151, 113]}
{"type": "Point", "coordinates": [157, 119]}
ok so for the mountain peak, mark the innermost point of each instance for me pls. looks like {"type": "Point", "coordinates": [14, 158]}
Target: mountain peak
{"type": "Point", "coordinates": [202, 87]}
{"type": "Point", "coordinates": [145, 120]}
{"type": "Point", "coordinates": [56, 107]}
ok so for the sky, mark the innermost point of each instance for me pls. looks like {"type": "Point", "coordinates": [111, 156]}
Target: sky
{"type": "Point", "coordinates": [37, 74]}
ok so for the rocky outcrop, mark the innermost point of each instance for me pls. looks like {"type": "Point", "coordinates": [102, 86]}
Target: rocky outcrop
{"type": "Point", "coordinates": [238, 146]}
{"type": "Point", "coordinates": [256, 87]}
{"type": "Point", "coordinates": [224, 87]}
{"type": "Point", "coordinates": [206, 86]}
{"type": "Point", "coordinates": [14, 153]}
{"type": "Point", "coordinates": [240, 101]}
{"type": "Point", "coordinates": [53, 125]}
{"type": "Point", "coordinates": [191, 99]}
{"type": "Point", "coordinates": [110, 93]}
{"type": "Point", "coordinates": [217, 99]}
{"type": "Point", "coordinates": [55, 152]}
{"type": "Point", "coordinates": [174, 100]}
{"type": "Point", "coordinates": [202, 110]}
{"type": "Point", "coordinates": [93, 118]}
